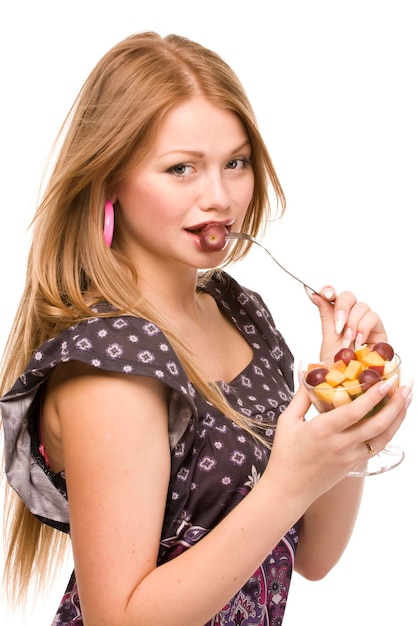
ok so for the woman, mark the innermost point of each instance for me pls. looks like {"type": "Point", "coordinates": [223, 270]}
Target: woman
{"type": "Point", "coordinates": [142, 395]}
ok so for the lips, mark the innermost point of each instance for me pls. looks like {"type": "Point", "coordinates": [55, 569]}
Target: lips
{"type": "Point", "coordinates": [199, 227]}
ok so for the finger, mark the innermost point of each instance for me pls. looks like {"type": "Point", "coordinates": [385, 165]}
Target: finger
{"type": "Point", "coordinates": [351, 415]}
{"type": "Point", "coordinates": [343, 306]}
{"type": "Point", "coordinates": [334, 310]}
{"type": "Point", "coordinates": [300, 403]}
{"type": "Point", "coordinates": [366, 326]}
{"type": "Point", "coordinates": [328, 292]}
{"type": "Point", "coordinates": [355, 321]}
{"type": "Point", "coordinates": [358, 324]}
{"type": "Point", "coordinates": [382, 427]}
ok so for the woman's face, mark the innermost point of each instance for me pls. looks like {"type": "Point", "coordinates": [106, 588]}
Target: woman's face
{"type": "Point", "coordinates": [197, 171]}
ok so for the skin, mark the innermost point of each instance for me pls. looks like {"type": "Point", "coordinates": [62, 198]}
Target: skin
{"type": "Point", "coordinates": [198, 171]}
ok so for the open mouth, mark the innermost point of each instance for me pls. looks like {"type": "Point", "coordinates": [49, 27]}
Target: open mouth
{"type": "Point", "coordinates": [197, 230]}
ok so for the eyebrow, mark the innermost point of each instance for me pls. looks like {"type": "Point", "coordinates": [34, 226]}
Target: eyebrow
{"type": "Point", "coordinates": [198, 154]}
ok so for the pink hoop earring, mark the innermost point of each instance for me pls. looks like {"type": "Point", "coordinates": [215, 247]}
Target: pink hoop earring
{"type": "Point", "coordinates": [108, 228]}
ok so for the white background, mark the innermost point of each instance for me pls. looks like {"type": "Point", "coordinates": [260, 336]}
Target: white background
{"type": "Point", "coordinates": [334, 87]}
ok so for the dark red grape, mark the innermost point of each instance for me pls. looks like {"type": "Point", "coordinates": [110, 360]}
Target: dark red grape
{"type": "Point", "coordinates": [368, 377]}
{"type": "Point", "coordinates": [316, 376]}
{"type": "Point", "coordinates": [385, 350]}
{"type": "Point", "coordinates": [213, 237]}
{"type": "Point", "coordinates": [345, 355]}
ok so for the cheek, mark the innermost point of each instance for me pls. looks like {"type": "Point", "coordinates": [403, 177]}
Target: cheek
{"type": "Point", "coordinates": [245, 191]}
{"type": "Point", "coordinates": [137, 201]}
{"type": "Point", "coordinates": [147, 212]}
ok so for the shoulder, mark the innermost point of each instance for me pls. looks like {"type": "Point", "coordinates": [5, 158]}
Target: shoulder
{"type": "Point", "coordinates": [122, 344]}
{"type": "Point", "coordinates": [115, 345]}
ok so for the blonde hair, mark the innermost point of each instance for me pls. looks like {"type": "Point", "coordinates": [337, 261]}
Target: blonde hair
{"type": "Point", "coordinates": [111, 125]}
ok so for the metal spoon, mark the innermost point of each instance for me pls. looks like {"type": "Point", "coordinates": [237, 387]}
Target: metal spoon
{"type": "Point", "coordinates": [253, 240]}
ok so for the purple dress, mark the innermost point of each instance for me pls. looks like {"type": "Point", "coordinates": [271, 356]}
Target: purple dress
{"type": "Point", "coordinates": [214, 463]}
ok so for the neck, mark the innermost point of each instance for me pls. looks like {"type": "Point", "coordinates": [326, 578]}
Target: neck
{"type": "Point", "coordinates": [173, 294]}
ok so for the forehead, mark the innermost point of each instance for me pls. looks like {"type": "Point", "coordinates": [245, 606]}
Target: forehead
{"type": "Point", "coordinates": [198, 121]}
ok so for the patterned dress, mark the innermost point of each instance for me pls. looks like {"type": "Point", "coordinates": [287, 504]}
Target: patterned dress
{"type": "Point", "coordinates": [214, 463]}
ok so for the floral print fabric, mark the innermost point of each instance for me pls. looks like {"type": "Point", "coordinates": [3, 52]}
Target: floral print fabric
{"type": "Point", "coordinates": [214, 463]}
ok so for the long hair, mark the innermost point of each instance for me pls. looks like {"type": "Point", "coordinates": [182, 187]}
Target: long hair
{"type": "Point", "coordinates": [109, 128]}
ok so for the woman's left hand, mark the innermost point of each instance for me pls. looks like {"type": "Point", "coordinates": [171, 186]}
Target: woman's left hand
{"type": "Point", "coordinates": [345, 321]}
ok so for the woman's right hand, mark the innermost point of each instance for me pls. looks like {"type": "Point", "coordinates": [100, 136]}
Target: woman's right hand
{"type": "Point", "coordinates": [318, 453]}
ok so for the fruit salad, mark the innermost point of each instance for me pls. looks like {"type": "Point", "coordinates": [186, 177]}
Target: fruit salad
{"type": "Point", "coordinates": [350, 374]}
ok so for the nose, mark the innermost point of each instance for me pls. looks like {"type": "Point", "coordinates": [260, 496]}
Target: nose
{"type": "Point", "coordinates": [214, 193]}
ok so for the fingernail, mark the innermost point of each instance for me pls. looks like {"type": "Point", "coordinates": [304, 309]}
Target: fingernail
{"type": "Point", "coordinates": [310, 293]}
{"type": "Point", "coordinates": [407, 389]}
{"type": "Point", "coordinates": [358, 340]}
{"type": "Point", "coordinates": [388, 384]}
{"type": "Point", "coordinates": [339, 321]}
{"type": "Point", "coordinates": [407, 393]}
{"type": "Point", "coordinates": [347, 338]}
{"type": "Point", "coordinates": [301, 370]}
{"type": "Point", "coordinates": [328, 293]}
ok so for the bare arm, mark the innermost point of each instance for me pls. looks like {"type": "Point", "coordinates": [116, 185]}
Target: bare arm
{"type": "Point", "coordinates": [326, 528]}
{"type": "Point", "coordinates": [117, 462]}
{"type": "Point", "coordinates": [337, 441]}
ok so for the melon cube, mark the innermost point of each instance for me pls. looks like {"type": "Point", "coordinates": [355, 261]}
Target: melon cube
{"type": "Point", "coordinates": [339, 365]}
{"type": "Point", "coordinates": [373, 358]}
{"type": "Point", "coordinates": [362, 351]}
{"type": "Point", "coordinates": [334, 377]}
{"type": "Point", "coordinates": [324, 392]}
{"type": "Point", "coordinates": [352, 386]}
{"type": "Point", "coordinates": [353, 369]}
